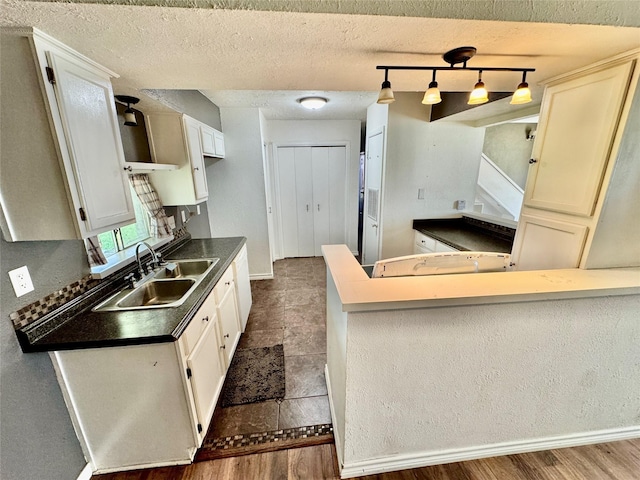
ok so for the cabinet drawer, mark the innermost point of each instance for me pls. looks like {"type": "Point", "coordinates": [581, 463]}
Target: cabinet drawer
{"type": "Point", "coordinates": [425, 242]}
{"type": "Point", "coordinates": [224, 284]}
{"type": "Point", "coordinates": [199, 322]}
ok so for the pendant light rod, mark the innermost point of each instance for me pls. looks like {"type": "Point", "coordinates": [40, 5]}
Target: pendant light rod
{"type": "Point", "coordinates": [386, 68]}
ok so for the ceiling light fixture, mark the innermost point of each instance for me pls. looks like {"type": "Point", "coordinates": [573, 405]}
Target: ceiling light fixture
{"type": "Point", "coordinates": [453, 57]}
{"type": "Point", "coordinates": [313, 103]}
{"type": "Point", "coordinates": [432, 95]}
{"type": "Point", "coordinates": [129, 113]}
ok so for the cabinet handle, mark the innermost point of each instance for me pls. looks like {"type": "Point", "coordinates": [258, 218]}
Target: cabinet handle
{"type": "Point", "coordinates": [129, 168]}
{"type": "Point", "coordinates": [227, 283]}
{"type": "Point", "coordinates": [226, 335]}
{"type": "Point", "coordinates": [196, 168]}
{"type": "Point", "coordinates": [307, 207]}
{"type": "Point", "coordinates": [223, 347]}
{"type": "Point", "coordinates": [318, 207]}
{"type": "Point", "coordinates": [206, 319]}
{"type": "Point", "coordinates": [532, 160]}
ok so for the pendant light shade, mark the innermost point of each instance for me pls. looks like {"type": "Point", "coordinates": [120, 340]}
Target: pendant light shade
{"type": "Point", "coordinates": [522, 93]}
{"type": "Point", "coordinates": [432, 95]}
{"type": "Point", "coordinates": [479, 95]}
{"type": "Point", "coordinates": [386, 94]}
{"type": "Point", "coordinates": [129, 113]}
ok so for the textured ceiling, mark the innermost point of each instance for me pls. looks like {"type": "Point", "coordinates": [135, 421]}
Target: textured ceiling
{"type": "Point", "coordinates": [269, 59]}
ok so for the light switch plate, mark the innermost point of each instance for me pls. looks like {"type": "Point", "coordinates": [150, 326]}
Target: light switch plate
{"type": "Point", "coordinates": [21, 281]}
{"type": "Point", "coordinates": [421, 194]}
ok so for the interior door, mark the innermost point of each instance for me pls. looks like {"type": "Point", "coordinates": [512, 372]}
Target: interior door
{"type": "Point", "coordinates": [287, 201]}
{"type": "Point", "coordinates": [337, 195]}
{"type": "Point", "coordinates": [372, 201]}
{"type": "Point", "coordinates": [321, 218]}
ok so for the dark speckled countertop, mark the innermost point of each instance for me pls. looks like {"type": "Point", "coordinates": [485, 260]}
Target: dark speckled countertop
{"type": "Point", "coordinates": [82, 328]}
{"type": "Point", "coordinates": [468, 234]}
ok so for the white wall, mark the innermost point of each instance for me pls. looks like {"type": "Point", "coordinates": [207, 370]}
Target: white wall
{"type": "Point", "coordinates": [236, 204]}
{"type": "Point", "coordinates": [426, 383]}
{"type": "Point", "coordinates": [507, 146]}
{"type": "Point", "coordinates": [326, 132]}
{"type": "Point", "coordinates": [441, 157]}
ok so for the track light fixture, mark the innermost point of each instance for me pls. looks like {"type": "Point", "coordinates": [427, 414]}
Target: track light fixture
{"type": "Point", "coordinates": [478, 96]}
{"type": "Point", "coordinates": [129, 114]}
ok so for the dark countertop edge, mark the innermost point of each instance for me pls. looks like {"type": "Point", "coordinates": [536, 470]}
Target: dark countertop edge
{"type": "Point", "coordinates": [32, 341]}
{"type": "Point", "coordinates": [481, 227]}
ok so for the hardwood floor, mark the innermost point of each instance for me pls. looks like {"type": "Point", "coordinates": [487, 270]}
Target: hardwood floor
{"type": "Point", "coordinates": [607, 461]}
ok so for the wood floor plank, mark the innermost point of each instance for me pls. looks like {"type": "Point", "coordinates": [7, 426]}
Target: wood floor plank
{"type": "Point", "coordinates": [310, 463]}
{"type": "Point", "coordinates": [611, 461]}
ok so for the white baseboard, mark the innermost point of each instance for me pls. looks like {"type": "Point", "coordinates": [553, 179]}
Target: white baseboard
{"type": "Point", "coordinates": [423, 459]}
{"type": "Point", "coordinates": [336, 433]}
{"type": "Point", "coordinates": [86, 473]}
{"type": "Point", "coordinates": [261, 276]}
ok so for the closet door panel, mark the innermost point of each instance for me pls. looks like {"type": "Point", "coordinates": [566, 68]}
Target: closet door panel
{"type": "Point", "coordinates": [304, 198]}
{"type": "Point", "coordinates": [337, 194]}
{"type": "Point", "coordinates": [321, 198]}
{"type": "Point", "coordinates": [286, 191]}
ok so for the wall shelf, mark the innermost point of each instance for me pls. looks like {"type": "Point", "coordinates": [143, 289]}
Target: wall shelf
{"type": "Point", "coordinates": [148, 166]}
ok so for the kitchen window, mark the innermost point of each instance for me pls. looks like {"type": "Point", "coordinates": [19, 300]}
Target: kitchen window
{"type": "Point", "coordinates": [117, 240]}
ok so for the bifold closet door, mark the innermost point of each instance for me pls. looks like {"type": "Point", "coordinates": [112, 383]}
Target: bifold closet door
{"type": "Point", "coordinates": [311, 191]}
{"type": "Point", "coordinates": [329, 177]}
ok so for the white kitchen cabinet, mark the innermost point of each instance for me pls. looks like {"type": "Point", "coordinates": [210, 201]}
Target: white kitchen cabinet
{"type": "Point", "coordinates": [426, 244]}
{"type": "Point", "coordinates": [146, 406]}
{"type": "Point", "coordinates": [205, 372]}
{"type": "Point", "coordinates": [242, 286]}
{"type": "Point", "coordinates": [311, 192]}
{"type": "Point", "coordinates": [176, 139]}
{"type": "Point", "coordinates": [212, 141]}
{"type": "Point", "coordinates": [581, 125]}
{"type": "Point", "coordinates": [68, 133]}
{"type": "Point", "coordinates": [227, 310]}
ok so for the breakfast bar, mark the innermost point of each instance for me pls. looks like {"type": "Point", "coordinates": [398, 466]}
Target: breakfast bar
{"type": "Point", "coordinates": [435, 369]}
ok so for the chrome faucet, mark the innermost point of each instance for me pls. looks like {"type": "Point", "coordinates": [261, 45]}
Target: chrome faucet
{"type": "Point", "coordinates": [154, 257]}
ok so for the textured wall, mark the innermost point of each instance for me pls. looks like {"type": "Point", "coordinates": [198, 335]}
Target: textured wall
{"type": "Point", "coordinates": [449, 378]}
{"type": "Point", "coordinates": [621, 211]}
{"type": "Point", "coordinates": [506, 146]}
{"type": "Point", "coordinates": [37, 439]}
{"type": "Point", "coordinates": [237, 205]}
{"type": "Point", "coordinates": [441, 157]}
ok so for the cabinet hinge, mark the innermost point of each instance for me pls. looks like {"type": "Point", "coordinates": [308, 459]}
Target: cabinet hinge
{"type": "Point", "coordinates": [83, 216]}
{"type": "Point", "coordinates": [51, 77]}
{"type": "Point", "coordinates": [199, 428]}
{"type": "Point", "coordinates": [188, 373]}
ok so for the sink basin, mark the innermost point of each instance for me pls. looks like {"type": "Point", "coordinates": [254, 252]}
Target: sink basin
{"type": "Point", "coordinates": [186, 268]}
{"type": "Point", "coordinates": [169, 287]}
{"type": "Point", "coordinates": [157, 292]}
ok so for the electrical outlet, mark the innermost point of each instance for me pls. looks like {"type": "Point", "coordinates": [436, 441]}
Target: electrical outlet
{"type": "Point", "coordinates": [197, 209]}
{"type": "Point", "coordinates": [183, 215]}
{"type": "Point", "coordinates": [21, 281]}
{"type": "Point", "coordinates": [461, 204]}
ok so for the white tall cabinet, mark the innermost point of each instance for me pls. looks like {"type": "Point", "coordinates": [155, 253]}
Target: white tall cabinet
{"type": "Point", "coordinates": [62, 160]}
{"type": "Point", "coordinates": [582, 121]}
{"type": "Point", "coordinates": [311, 191]}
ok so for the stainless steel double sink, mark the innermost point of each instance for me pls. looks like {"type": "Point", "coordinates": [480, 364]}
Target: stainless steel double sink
{"type": "Point", "coordinates": [168, 287]}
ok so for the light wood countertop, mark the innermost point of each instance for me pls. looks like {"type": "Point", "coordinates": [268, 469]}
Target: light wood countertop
{"type": "Point", "coordinates": [358, 292]}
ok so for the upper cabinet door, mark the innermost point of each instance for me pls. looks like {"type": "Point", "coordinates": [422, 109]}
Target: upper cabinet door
{"type": "Point", "coordinates": [192, 130]}
{"type": "Point", "coordinates": [88, 117]}
{"type": "Point", "coordinates": [219, 143]}
{"type": "Point", "coordinates": [208, 140]}
{"type": "Point", "coordinates": [578, 122]}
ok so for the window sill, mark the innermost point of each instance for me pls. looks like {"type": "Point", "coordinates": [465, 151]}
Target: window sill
{"type": "Point", "coordinates": [125, 257]}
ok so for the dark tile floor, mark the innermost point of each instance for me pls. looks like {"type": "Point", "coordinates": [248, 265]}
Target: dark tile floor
{"type": "Point", "coordinates": [288, 310]}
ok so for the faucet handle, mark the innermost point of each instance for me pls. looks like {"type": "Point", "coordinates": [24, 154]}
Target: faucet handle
{"type": "Point", "coordinates": [131, 277]}
{"type": "Point", "coordinates": [159, 260]}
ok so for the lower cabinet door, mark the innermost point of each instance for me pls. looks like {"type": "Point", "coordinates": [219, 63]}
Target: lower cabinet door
{"type": "Point", "coordinates": [229, 323]}
{"type": "Point", "coordinates": [206, 375]}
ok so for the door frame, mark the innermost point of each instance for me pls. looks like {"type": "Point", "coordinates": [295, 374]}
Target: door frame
{"type": "Point", "coordinates": [369, 134]}
{"type": "Point", "coordinates": [273, 184]}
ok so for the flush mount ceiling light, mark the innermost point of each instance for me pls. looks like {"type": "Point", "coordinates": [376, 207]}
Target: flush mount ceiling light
{"type": "Point", "coordinates": [453, 57]}
{"type": "Point", "coordinates": [129, 114]}
{"type": "Point", "coordinates": [313, 103]}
